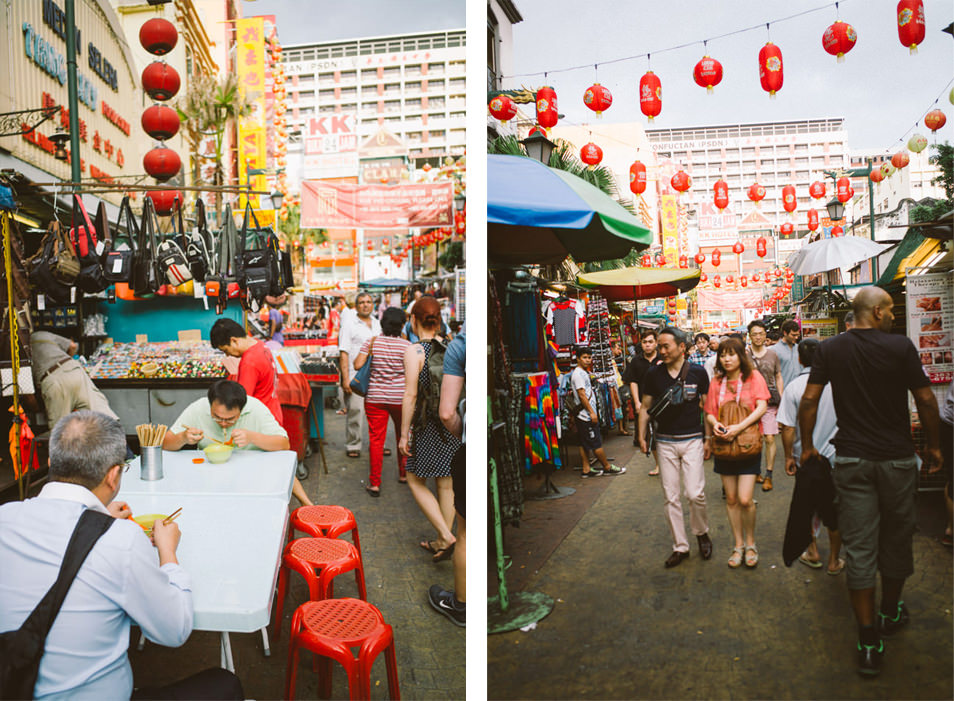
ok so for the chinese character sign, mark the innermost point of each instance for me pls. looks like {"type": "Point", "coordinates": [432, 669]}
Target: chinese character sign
{"type": "Point", "coordinates": [250, 53]}
{"type": "Point", "coordinates": [347, 206]}
{"type": "Point", "coordinates": [669, 214]}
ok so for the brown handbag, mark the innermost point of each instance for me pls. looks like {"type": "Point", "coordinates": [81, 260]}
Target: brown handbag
{"type": "Point", "coordinates": [748, 443]}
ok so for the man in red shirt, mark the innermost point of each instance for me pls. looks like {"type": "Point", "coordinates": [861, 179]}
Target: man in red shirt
{"type": "Point", "coordinates": [256, 373]}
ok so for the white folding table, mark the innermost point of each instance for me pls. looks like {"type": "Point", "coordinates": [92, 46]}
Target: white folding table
{"type": "Point", "coordinates": [233, 522]}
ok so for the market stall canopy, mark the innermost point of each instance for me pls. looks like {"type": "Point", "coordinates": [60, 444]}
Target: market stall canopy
{"type": "Point", "coordinates": [841, 252]}
{"type": "Point", "coordinates": [537, 214]}
{"type": "Point", "coordinates": [640, 283]}
{"type": "Point", "coordinates": [384, 282]}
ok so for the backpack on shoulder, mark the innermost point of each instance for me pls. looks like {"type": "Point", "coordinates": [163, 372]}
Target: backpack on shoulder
{"type": "Point", "coordinates": [427, 405]}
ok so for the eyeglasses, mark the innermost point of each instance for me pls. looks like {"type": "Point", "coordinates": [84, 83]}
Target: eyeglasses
{"type": "Point", "coordinates": [127, 464]}
{"type": "Point", "coordinates": [225, 422]}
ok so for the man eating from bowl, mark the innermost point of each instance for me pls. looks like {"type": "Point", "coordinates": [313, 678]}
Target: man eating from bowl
{"type": "Point", "coordinates": [228, 415]}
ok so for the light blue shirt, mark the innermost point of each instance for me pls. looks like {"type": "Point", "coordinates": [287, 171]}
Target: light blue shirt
{"type": "Point", "coordinates": [826, 423]}
{"type": "Point", "coordinates": [788, 358]}
{"type": "Point", "coordinates": [119, 583]}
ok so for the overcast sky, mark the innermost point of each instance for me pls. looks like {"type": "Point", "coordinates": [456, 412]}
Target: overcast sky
{"type": "Point", "coordinates": [303, 21]}
{"type": "Point", "coordinates": [880, 89]}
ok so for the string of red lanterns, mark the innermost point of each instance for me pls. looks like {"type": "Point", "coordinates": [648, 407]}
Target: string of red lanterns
{"type": "Point", "coordinates": [161, 82]}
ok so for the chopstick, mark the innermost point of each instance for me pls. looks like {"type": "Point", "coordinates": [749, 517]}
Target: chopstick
{"type": "Point", "coordinates": [151, 436]}
{"type": "Point", "coordinates": [171, 517]}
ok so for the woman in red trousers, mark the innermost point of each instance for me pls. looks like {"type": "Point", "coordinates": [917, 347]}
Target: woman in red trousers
{"type": "Point", "coordinates": [385, 391]}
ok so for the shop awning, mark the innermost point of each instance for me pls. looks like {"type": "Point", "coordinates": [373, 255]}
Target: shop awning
{"type": "Point", "coordinates": [914, 250]}
{"type": "Point", "coordinates": [641, 283]}
{"type": "Point", "coordinates": [540, 215]}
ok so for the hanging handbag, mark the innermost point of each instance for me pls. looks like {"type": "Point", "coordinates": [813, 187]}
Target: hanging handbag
{"type": "Point", "coordinates": [222, 284]}
{"type": "Point", "coordinates": [53, 269]}
{"type": "Point", "coordinates": [118, 261]}
{"type": "Point", "coordinates": [362, 378]}
{"type": "Point", "coordinates": [198, 245]}
{"type": "Point", "coordinates": [256, 273]}
{"type": "Point", "coordinates": [88, 250]}
{"type": "Point", "coordinates": [21, 650]}
{"type": "Point", "coordinates": [146, 279]}
{"type": "Point", "coordinates": [170, 255]}
{"type": "Point", "coordinates": [746, 444]}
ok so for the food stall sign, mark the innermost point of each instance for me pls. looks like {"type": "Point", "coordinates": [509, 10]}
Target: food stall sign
{"type": "Point", "coordinates": [930, 321]}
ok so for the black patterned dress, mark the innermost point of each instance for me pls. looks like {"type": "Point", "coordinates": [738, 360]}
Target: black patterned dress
{"type": "Point", "coordinates": [433, 448]}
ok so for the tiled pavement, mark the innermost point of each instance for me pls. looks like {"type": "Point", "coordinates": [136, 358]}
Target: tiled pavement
{"type": "Point", "coordinates": [430, 650]}
{"type": "Point", "coordinates": [625, 627]}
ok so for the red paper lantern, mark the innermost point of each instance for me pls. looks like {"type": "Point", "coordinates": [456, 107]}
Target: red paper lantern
{"type": "Point", "coordinates": [161, 163]}
{"type": "Point", "coordinates": [756, 192]}
{"type": "Point", "coordinates": [720, 194]}
{"type": "Point", "coordinates": [729, 279]}
{"type": "Point", "coordinates": [661, 260]}
{"type": "Point", "coordinates": [681, 181]}
{"type": "Point", "coordinates": [683, 262]}
{"type": "Point", "coordinates": [837, 231]}
{"type": "Point", "coordinates": [716, 258]}
{"type": "Point", "coordinates": [737, 248]}
{"type": "Point", "coordinates": [547, 114]}
{"type": "Point", "coordinates": [163, 201]}
{"type": "Point", "coordinates": [900, 159]}
{"type": "Point", "coordinates": [370, 246]}
{"type": "Point", "coordinates": [911, 23]}
{"type": "Point", "coordinates": [700, 258]}
{"type": "Point", "coordinates": [743, 281]}
{"type": "Point", "coordinates": [839, 39]}
{"type": "Point", "coordinates": [160, 80]}
{"type": "Point", "coordinates": [646, 261]}
{"type": "Point", "coordinates": [502, 108]}
{"type": "Point", "coordinates": [650, 95]}
{"type": "Point", "coordinates": [536, 130]}
{"type": "Point", "coordinates": [876, 175]}
{"type": "Point", "coordinates": [160, 122]}
{"type": "Point", "coordinates": [158, 36]}
{"type": "Point", "coordinates": [756, 277]}
{"type": "Point", "coordinates": [717, 281]}
{"type": "Point", "coordinates": [817, 190]}
{"type": "Point", "coordinates": [934, 120]}
{"type": "Point", "coordinates": [637, 178]}
{"type": "Point", "coordinates": [707, 73]}
{"type": "Point", "coordinates": [770, 69]}
{"type": "Point", "coordinates": [789, 203]}
{"type": "Point", "coordinates": [761, 247]}
{"type": "Point", "coordinates": [597, 98]}
{"type": "Point", "coordinates": [341, 247]}
{"type": "Point", "coordinates": [812, 219]}
{"type": "Point", "coordinates": [787, 229]}
{"type": "Point", "coordinates": [703, 277]}
{"type": "Point", "coordinates": [843, 191]}
{"type": "Point", "coordinates": [591, 154]}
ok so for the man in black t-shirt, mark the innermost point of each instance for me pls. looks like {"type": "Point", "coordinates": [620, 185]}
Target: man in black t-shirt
{"type": "Point", "coordinates": [636, 370]}
{"type": "Point", "coordinates": [871, 372]}
{"type": "Point", "coordinates": [680, 447]}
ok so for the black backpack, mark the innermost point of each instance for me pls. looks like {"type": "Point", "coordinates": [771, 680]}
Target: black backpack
{"type": "Point", "coordinates": [427, 404]}
{"type": "Point", "coordinates": [21, 650]}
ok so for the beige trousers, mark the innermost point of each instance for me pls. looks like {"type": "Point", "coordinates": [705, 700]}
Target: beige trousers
{"type": "Point", "coordinates": [683, 461]}
{"type": "Point", "coordinates": [67, 389]}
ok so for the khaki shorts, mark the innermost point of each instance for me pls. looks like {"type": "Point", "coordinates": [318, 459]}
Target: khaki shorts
{"type": "Point", "coordinates": [876, 517]}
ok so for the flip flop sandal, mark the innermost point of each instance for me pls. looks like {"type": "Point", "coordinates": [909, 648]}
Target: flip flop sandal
{"type": "Point", "coordinates": [444, 554]}
{"type": "Point", "coordinates": [814, 564]}
{"type": "Point", "coordinates": [373, 492]}
{"type": "Point", "coordinates": [751, 561]}
{"type": "Point", "coordinates": [354, 454]}
{"type": "Point", "coordinates": [837, 571]}
{"type": "Point", "coordinates": [428, 545]}
{"type": "Point", "coordinates": [654, 473]}
{"type": "Point", "coordinates": [387, 452]}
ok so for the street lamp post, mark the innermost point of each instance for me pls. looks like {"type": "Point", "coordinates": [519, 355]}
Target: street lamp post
{"type": "Point", "coordinates": [75, 174]}
{"type": "Point", "coordinates": [854, 173]}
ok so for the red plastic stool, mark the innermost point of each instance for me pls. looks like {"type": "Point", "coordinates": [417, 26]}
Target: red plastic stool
{"type": "Point", "coordinates": [330, 628]}
{"type": "Point", "coordinates": [330, 557]}
{"type": "Point", "coordinates": [323, 521]}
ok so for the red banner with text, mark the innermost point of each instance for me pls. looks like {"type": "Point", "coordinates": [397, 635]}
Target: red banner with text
{"type": "Point", "coordinates": [345, 206]}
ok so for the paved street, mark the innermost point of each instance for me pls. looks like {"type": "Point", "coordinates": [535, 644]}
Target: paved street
{"type": "Point", "coordinates": [430, 650]}
{"type": "Point", "coordinates": [625, 627]}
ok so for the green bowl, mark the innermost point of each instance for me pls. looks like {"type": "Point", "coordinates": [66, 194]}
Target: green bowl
{"type": "Point", "coordinates": [218, 453]}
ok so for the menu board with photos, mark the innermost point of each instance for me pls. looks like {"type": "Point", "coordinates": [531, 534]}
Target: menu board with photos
{"type": "Point", "coordinates": [819, 328]}
{"type": "Point", "coordinates": [930, 317]}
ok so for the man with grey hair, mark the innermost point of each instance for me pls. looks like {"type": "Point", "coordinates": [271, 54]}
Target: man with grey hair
{"type": "Point", "coordinates": [871, 372]}
{"type": "Point", "coordinates": [354, 333]}
{"type": "Point", "coordinates": [123, 580]}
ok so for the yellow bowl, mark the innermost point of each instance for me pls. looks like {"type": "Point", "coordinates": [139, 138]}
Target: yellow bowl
{"type": "Point", "coordinates": [149, 369]}
{"type": "Point", "coordinates": [218, 453]}
{"type": "Point", "coordinates": [146, 521]}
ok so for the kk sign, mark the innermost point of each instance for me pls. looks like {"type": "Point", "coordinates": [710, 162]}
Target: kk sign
{"type": "Point", "coordinates": [333, 133]}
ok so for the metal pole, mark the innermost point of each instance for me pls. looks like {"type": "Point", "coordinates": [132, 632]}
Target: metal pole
{"type": "Point", "coordinates": [871, 220]}
{"type": "Point", "coordinates": [18, 467]}
{"type": "Point", "coordinates": [71, 88]}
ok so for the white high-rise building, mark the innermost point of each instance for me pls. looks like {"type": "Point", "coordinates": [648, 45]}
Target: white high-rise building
{"type": "Point", "coordinates": [410, 85]}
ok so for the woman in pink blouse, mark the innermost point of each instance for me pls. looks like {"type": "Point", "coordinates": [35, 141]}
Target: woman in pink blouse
{"type": "Point", "coordinates": [385, 391]}
{"type": "Point", "coordinates": [734, 378]}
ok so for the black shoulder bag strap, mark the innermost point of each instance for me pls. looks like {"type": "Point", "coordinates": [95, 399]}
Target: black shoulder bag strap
{"type": "Point", "coordinates": [21, 650]}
